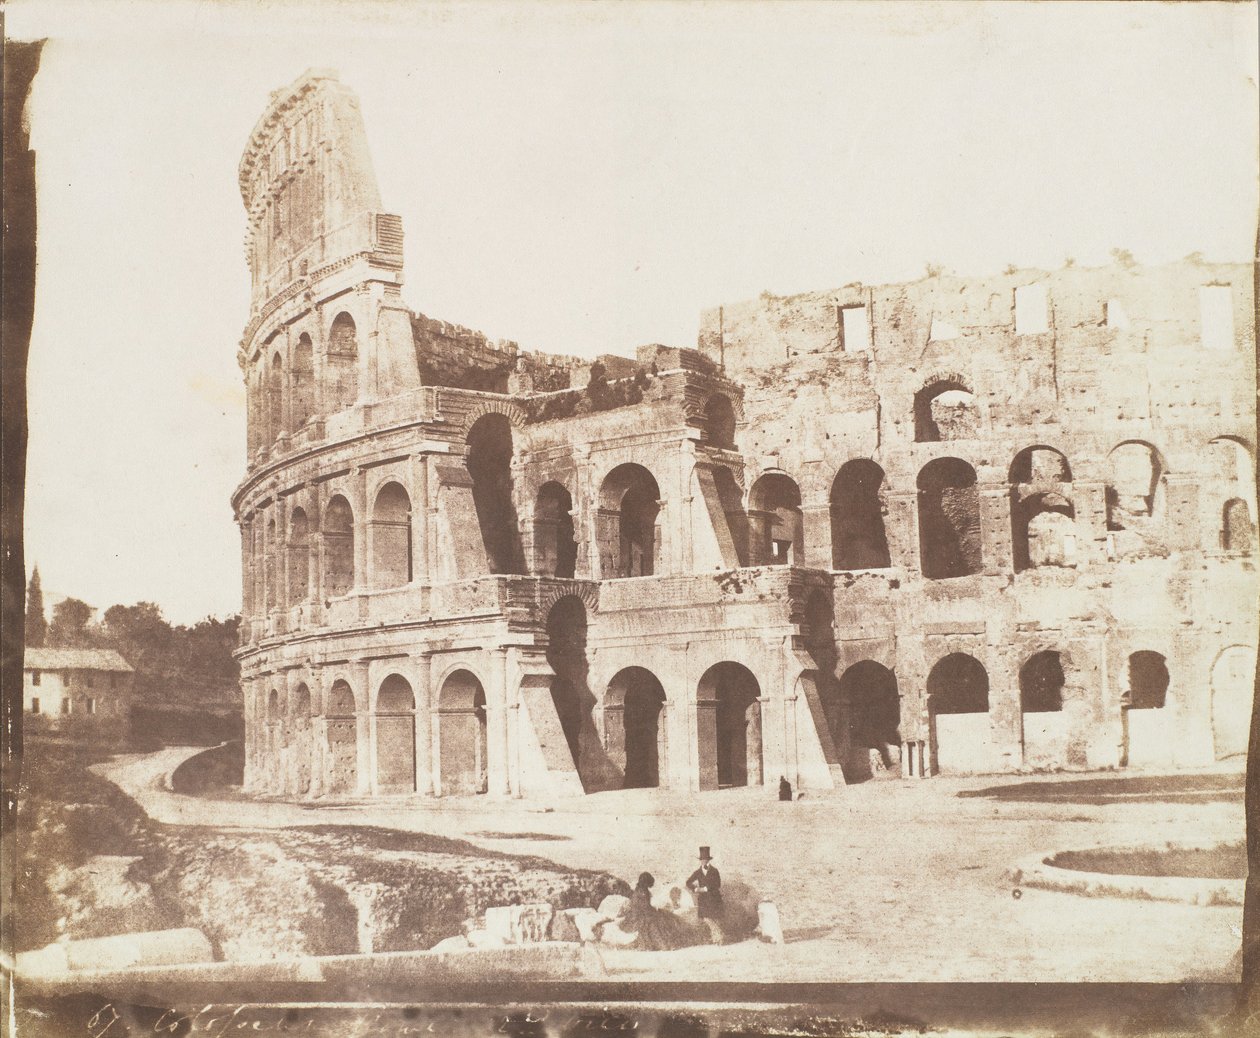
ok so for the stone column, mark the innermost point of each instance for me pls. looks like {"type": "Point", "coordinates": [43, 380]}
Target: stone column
{"type": "Point", "coordinates": [363, 728]}
{"type": "Point", "coordinates": [816, 519]}
{"type": "Point", "coordinates": [422, 667]}
{"type": "Point", "coordinates": [1089, 501]}
{"type": "Point", "coordinates": [1181, 507]}
{"type": "Point", "coordinates": [359, 492]}
{"type": "Point", "coordinates": [497, 770]}
{"type": "Point", "coordinates": [902, 531]}
{"type": "Point", "coordinates": [995, 528]}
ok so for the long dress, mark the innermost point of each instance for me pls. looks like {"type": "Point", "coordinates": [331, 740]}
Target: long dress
{"type": "Point", "coordinates": [657, 929]}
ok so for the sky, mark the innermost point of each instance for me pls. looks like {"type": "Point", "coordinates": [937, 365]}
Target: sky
{"type": "Point", "coordinates": [579, 178]}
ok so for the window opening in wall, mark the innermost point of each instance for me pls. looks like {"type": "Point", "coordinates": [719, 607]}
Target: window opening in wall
{"type": "Point", "coordinates": [626, 522]}
{"type": "Point", "coordinates": [302, 381]}
{"type": "Point", "coordinates": [338, 547]}
{"type": "Point", "coordinates": [35, 677]}
{"type": "Point", "coordinates": [949, 519]}
{"type": "Point", "coordinates": [958, 684]}
{"type": "Point", "coordinates": [855, 329]}
{"type": "Point", "coordinates": [65, 705]}
{"type": "Point", "coordinates": [299, 556]}
{"type": "Point", "coordinates": [1031, 310]}
{"type": "Point", "coordinates": [35, 705]}
{"type": "Point", "coordinates": [555, 544]}
{"type": "Point", "coordinates": [945, 410]}
{"type": "Point", "coordinates": [1134, 479]}
{"type": "Point", "coordinates": [1216, 317]}
{"type": "Point", "coordinates": [1148, 681]}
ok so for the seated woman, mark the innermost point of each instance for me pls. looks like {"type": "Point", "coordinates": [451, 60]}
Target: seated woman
{"type": "Point", "coordinates": [657, 929]}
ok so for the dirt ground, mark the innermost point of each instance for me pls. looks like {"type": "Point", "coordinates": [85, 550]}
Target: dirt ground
{"type": "Point", "coordinates": [895, 880]}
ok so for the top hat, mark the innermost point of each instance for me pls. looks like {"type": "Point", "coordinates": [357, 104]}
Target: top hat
{"type": "Point", "coordinates": [705, 855]}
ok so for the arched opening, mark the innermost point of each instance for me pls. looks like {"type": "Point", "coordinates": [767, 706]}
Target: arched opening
{"type": "Point", "coordinates": [462, 742]}
{"type": "Point", "coordinates": [776, 527]}
{"type": "Point", "coordinates": [1236, 529]}
{"type": "Point", "coordinates": [343, 742]}
{"type": "Point", "coordinates": [270, 550]}
{"type": "Point", "coordinates": [858, 540]}
{"type": "Point", "coordinates": [302, 739]}
{"type": "Point", "coordinates": [1043, 528]}
{"type": "Point", "coordinates": [1041, 684]}
{"type": "Point", "coordinates": [945, 410]}
{"type": "Point", "coordinates": [338, 547]}
{"type": "Point", "coordinates": [273, 706]}
{"type": "Point", "coordinates": [1040, 466]}
{"type": "Point", "coordinates": [1133, 482]}
{"type": "Point", "coordinates": [395, 736]}
{"type": "Point", "coordinates": [633, 721]}
{"type": "Point", "coordinates": [958, 712]}
{"type": "Point", "coordinates": [718, 429]}
{"type": "Point", "coordinates": [490, 466]}
{"type": "Point", "coordinates": [1148, 733]}
{"type": "Point", "coordinates": [343, 363]}
{"type": "Point", "coordinates": [870, 700]}
{"type": "Point", "coordinates": [555, 545]}
{"type": "Point", "coordinates": [1233, 682]}
{"type": "Point", "coordinates": [391, 537]}
{"type": "Point", "coordinates": [275, 398]}
{"type": "Point", "coordinates": [1148, 681]}
{"type": "Point", "coordinates": [629, 507]}
{"type": "Point", "coordinates": [729, 727]}
{"type": "Point", "coordinates": [302, 383]}
{"type": "Point", "coordinates": [571, 694]}
{"type": "Point", "coordinates": [949, 519]}
{"type": "Point", "coordinates": [299, 557]}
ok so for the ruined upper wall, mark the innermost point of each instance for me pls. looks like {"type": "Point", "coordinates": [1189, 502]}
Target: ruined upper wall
{"type": "Point", "coordinates": [1141, 309]}
{"type": "Point", "coordinates": [309, 188]}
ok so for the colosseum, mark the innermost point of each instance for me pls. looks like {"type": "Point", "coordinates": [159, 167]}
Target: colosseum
{"type": "Point", "coordinates": [950, 526]}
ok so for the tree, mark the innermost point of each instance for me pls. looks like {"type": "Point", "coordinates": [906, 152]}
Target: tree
{"type": "Point", "coordinates": [36, 622]}
{"type": "Point", "coordinates": [70, 619]}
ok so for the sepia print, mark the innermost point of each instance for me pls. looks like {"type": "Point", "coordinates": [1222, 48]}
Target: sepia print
{"type": "Point", "coordinates": [896, 627]}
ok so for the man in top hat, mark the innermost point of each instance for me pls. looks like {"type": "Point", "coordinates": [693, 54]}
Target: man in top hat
{"type": "Point", "coordinates": [705, 885]}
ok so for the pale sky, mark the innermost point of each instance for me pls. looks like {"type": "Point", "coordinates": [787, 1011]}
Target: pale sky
{"type": "Point", "coordinates": [579, 178]}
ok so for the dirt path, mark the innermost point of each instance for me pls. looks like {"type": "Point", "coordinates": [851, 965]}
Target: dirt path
{"type": "Point", "coordinates": [887, 881]}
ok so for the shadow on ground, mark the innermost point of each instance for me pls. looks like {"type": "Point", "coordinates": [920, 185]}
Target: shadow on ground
{"type": "Point", "coordinates": [1128, 789]}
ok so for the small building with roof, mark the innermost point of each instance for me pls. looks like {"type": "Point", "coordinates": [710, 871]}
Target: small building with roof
{"type": "Point", "coordinates": [59, 683]}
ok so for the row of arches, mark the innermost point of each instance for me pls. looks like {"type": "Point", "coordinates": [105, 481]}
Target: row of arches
{"type": "Point", "coordinates": [772, 532]}
{"type": "Point", "coordinates": [283, 395]}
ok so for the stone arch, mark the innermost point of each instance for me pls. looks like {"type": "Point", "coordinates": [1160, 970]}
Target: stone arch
{"type": "Point", "coordinates": [945, 409]}
{"type": "Point", "coordinates": [958, 714]}
{"type": "Point", "coordinates": [949, 519]}
{"type": "Point", "coordinates": [1040, 464]}
{"type": "Point", "coordinates": [511, 412]}
{"type": "Point", "coordinates": [718, 422]}
{"type": "Point", "coordinates": [1148, 680]}
{"type": "Point", "coordinates": [342, 724]}
{"type": "Point", "coordinates": [1135, 475]}
{"type": "Point", "coordinates": [299, 556]}
{"type": "Point", "coordinates": [858, 538]}
{"type": "Point", "coordinates": [555, 542]}
{"type": "Point", "coordinates": [462, 735]}
{"type": "Point", "coordinates": [627, 522]}
{"type": "Point", "coordinates": [775, 521]}
{"type": "Point", "coordinates": [1233, 684]}
{"type": "Point", "coordinates": [395, 735]}
{"type": "Point", "coordinates": [634, 729]}
{"type": "Point", "coordinates": [1041, 682]}
{"type": "Point", "coordinates": [870, 705]}
{"type": "Point", "coordinates": [391, 555]}
{"type": "Point", "coordinates": [339, 575]}
{"type": "Point", "coordinates": [587, 594]}
{"type": "Point", "coordinates": [728, 718]}
{"type": "Point", "coordinates": [489, 460]}
{"type": "Point", "coordinates": [302, 738]}
{"type": "Point", "coordinates": [302, 383]}
{"type": "Point", "coordinates": [342, 363]}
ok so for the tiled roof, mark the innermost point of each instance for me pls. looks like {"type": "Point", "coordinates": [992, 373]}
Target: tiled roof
{"type": "Point", "coordinates": [75, 659]}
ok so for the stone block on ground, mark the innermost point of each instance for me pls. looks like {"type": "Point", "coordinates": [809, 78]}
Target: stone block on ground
{"type": "Point", "coordinates": [563, 928]}
{"type": "Point", "coordinates": [614, 936]}
{"type": "Point", "coordinates": [485, 939]}
{"type": "Point", "coordinates": [530, 923]}
{"type": "Point", "coordinates": [155, 948]}
{"type": "Point", "coordinates": [613, 905]}
{"type": "Point", "coordinates": [499, 922]}
{"type": "Point", "coordinates": [585, 920]}
{"type": "Point", "coordinates": [457, 943]}
{"type": "Point", "coordinates": [768, 926]}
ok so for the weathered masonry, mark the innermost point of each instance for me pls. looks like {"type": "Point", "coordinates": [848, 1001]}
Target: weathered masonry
{"type": "Point", "coordinates": [954, 525]}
